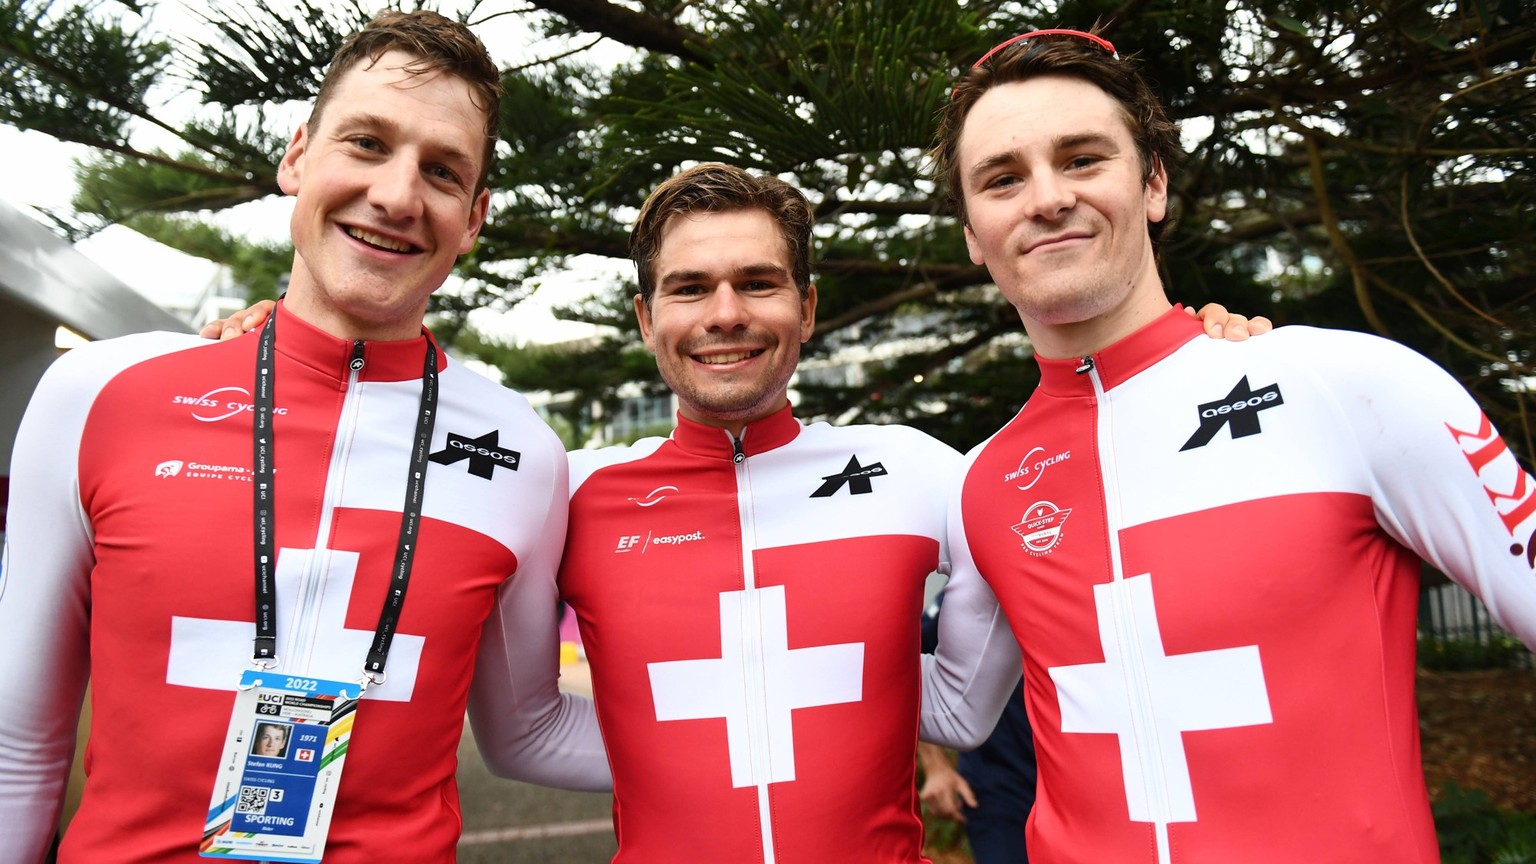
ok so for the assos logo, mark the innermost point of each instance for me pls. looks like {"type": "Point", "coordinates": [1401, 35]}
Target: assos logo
{"type": "Point", "coordinates": [1032, 467]}
{"type": "Point", "coordinates": [1239, 408]}
{"type": "Point", "coordinates": [220, 404]}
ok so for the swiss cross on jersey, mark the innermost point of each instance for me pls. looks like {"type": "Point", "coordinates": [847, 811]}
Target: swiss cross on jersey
{"type": "Point", "coordinates": [483, 453]}
{"type": "Point", "coordinates": [855, 476]}
{"type": "Point", "coordinates": [1240, 407]}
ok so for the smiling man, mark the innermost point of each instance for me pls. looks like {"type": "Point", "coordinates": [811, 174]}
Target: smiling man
{"type": "Point", "coordinates": [308, 527]}
{"type": "Point", "coordinates": [746, 588]}
{"type": "Point", "coordinates": [1249, 703]}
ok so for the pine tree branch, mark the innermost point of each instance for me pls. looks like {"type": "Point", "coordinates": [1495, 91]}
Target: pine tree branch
{"type": "Point", "coordinates": [629, 27]}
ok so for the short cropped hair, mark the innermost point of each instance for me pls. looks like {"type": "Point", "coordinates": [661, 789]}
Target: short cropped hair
{"type": "Point", "coordinates": [714, 187]}
{"type": "Point", "coordinates": [440, 45]}
{"type": "Point", "coordinates": [1155, 135]}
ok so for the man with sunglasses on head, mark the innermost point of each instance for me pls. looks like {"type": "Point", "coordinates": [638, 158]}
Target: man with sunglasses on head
{"type": "Point", "coordinates": [1253, 705]}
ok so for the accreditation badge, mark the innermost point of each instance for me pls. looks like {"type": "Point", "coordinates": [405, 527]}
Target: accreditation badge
{"type": "Point", "coordinates": [276, 787]}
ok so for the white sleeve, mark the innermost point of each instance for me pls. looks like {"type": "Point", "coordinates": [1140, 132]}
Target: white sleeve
{"type": "Point", "coordinates": [1444, 483]}
{"type": "Point", "coordinates": [44, 609]}
{"type": "Point", "coordinates": [525, 727]}
{"type": "Point", "coordinates": [971, 674]}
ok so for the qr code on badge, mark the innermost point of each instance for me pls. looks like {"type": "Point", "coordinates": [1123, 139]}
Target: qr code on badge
{"type": "Point", "coordinates": [253, 800]}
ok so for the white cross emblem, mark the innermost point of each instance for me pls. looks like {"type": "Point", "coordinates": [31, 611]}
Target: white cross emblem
{"type": "Point", "coordinates": [211, 653]}
{"type": "Point", "coordinates": [755, 694]}
{"type": "Point", "coordinates": [1149, 699]}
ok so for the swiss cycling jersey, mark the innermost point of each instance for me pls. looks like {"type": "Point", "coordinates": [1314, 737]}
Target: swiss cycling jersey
{"type": "Point", "coordinates": [748, 615]}
{"type": "Point", "coordinates": [129, 561]}
{"type": "Point", "coordinates": [1208, 551]}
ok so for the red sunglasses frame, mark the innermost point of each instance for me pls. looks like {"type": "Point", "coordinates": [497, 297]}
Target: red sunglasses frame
{"type": "Point", "coordinates": [1097, 40]}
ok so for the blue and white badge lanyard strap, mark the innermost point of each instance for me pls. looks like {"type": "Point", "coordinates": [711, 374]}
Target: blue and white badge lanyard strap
{"type": "Point", "coordinates": [410, 521]}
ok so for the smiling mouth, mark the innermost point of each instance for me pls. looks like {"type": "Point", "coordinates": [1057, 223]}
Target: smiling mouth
{"type": "Point", "coordinates": [377, 241]}
{"type": "Point", "coordinates": [1055, 241]}
{"type": "Point", "coordinates": [722, 359]}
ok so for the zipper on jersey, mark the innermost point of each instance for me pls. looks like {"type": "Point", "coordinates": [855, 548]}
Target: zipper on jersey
{"type": "Point", "coordinates": [1138, 688]}
{"type": "Point", "coordinates": [301, 640]}
{"type": "Point", "coordinates": [753, 663]}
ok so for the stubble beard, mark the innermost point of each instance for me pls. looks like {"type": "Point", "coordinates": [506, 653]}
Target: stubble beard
{"type": "Point", "coordinates": [727, 401]}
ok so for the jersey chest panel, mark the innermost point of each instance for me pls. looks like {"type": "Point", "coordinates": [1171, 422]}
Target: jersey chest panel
{"type": "Point", "coordinates": [168, 443]}
{"type": "Point", "coordinates": [727, 550]}
{"type": "Point", "coordinates": [1112, 548]}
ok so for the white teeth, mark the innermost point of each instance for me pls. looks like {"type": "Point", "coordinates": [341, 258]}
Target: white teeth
{"type": "Point", "coordinates": [721, 359]}
{"type": "Point", "coordinates": [373, 239]}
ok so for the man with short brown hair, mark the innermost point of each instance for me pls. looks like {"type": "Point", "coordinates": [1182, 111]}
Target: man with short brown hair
{"type": "Point", "coordinates": [1253, 703]}
{"type": "Point", "coordinates": [183, 511]}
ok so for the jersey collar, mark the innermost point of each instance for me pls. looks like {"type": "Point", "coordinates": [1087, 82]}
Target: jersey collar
{"type": "Point", "coordinates": [759, 436]}
{"type": "Point", "coordinates": [304, 343]}
{"type": "Point", "coordinates": [1122, 360]}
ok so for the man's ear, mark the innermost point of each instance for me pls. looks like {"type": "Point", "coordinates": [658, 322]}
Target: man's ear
{"type": "Point", "coordinates": [972, 247]}
{"type": "Point", "coordinates": [1157, 192]}
{"type": "Point", "coordinates": [643, 317]}
{"type": "Point", "coordinates": [808, 314]}
{"type": "Point", "coordinates": [291, 167]}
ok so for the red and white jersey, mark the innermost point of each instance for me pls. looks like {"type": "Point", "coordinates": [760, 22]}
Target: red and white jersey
{"type": "Point", "coordinates": [128, 561]}
{"type": "Point", "coordinates": [1209, 552]}
{"type": "Point", "coordinates": [751, 621]}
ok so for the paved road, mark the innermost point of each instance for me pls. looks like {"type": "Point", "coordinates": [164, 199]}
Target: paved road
{"type": "Point", "coordinates": [517, 823]}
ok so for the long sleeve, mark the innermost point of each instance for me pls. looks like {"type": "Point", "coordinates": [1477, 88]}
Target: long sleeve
{"type": "Point", "coordinates": [525, 727]}
{"type": "Point", "coordinates": [44, 608]}
{"type": "Point", "coordinates": [1444, 483]}
{"type": "Point", "coordinates": [974, 668]}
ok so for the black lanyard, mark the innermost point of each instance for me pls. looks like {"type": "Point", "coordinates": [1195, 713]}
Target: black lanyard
{"type": "Point", "coordinates": [410, 519]}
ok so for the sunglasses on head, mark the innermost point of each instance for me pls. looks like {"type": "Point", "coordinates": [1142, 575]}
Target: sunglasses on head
{"type": "Point", "coordinates": [1100, 41]}
{"type": "Point", "coordinates": [1078, 34]}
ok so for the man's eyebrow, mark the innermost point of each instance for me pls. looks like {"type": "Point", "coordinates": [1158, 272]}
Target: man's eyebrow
{"type": "Point", "coordinates": [762, 270]}
{"type": "Point", "coordinates": [1086, 139]}
{"type": "Point", "coordinates": [675, 276]}
{"type": "Point", "coordinates": [1061, 142]}
{"type": "Point", "coordinates": [687, 276]}
{"type": "Point", "coordinates": [996, 160]}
